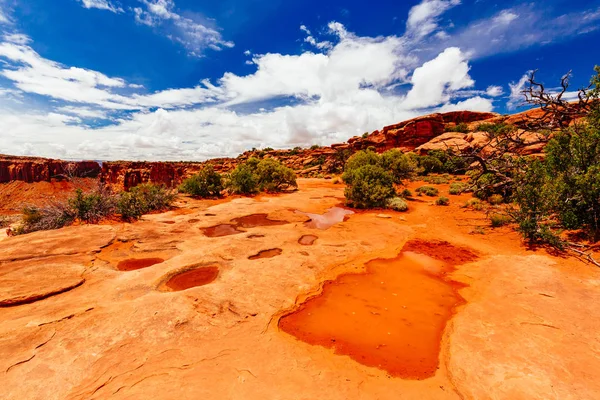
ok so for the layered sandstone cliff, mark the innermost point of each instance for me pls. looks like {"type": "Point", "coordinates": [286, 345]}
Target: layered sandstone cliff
{"type": "Point", "coordinates": [35, 169]}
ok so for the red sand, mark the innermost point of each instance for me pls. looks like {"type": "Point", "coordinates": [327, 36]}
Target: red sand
{"type": "Point", "coordinates": [192, 278]}
{"type": "Point", "coordinates": [391, 317]}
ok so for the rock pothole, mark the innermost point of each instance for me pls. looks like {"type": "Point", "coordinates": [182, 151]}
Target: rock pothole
{"type": "Point", "coordinates": [132, 264]}
{"type": "Point", "coordinates": [270, 253]}
{"type": "Point", "coordinates": [221, 230]}
{"type": "Point", "coordinates": [307, 240]}
{"type": "Point", "coordinates": [189, 278]}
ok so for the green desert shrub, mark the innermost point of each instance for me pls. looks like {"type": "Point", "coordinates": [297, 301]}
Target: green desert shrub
{"type": "Point", "coordinates": [398, 164]}
{"type": "Point", "coordinates": [457, 188]}
{"type": "Point", "coordinates": [442, 201]}
{"type": "Point", "coordinates": [397, 204]}
{"type": "Point", "coordinates": [273, 176]}
{"type": "Point", "coordinates": [242, 180]}
{"type": "Point", "coordinates": [428, 191]}
{"type": "Point", "coordinates": [255, 175]}
{"type": "Point", "coordinates": [94, 206]}
{"type": "Point", "coordinates": [143, 199]}
{"type": "Point", "coordinates": [436, 180]}
{"type": "Point", "coordinates": [474, 204]}
{"type": "Point", "coordinates": [430, 164]}
{"type": "Point", "coordinates": [368, 186]}
{"type": "Point", "coordinates": [52, 216]}
{"type": "Point", "coordinates": [495, 129]}
{"type": "Point", "coordinates": [496, 199]}
{"type": "Point", "coordinates": [462, 128]}
{"type": "Point", "coordinates": [206, 183]}
{"type": "Point", "coordinates": [406, 193]}
{"type": "Point", "coordinates": [497, 220]}
{"type": "Point", "coordinates": [361, 158]}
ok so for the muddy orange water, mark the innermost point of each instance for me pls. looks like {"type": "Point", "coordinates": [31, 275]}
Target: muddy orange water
{"type": "Point", "coordinates": [132, 264]}
{"type": "Point", "coordinates": [192, 278]}
{"type": "Point", "coordinates": [254, 220]}
{"type": "Point", "coordinates": [391, 317]}
{"type": "Point", "coordinates": [221, 230]}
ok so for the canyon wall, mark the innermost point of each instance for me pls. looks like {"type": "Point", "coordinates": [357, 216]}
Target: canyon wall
{"type": "Point", "coordinates": [34, 169]}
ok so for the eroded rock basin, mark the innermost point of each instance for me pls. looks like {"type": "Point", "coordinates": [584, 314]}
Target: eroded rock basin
{"type": "Point", "coordinates": [221, 230]}
{"type": "Point", "coordinates": [307, 240]}
{"type": "Point", "coordinates": [192, 278]}
{"type": "Point", "coordinates": [255, 220]}
{"type": "Point", "coordinates": [133, 264]}
{"type": "Point", "coordinates": [247, 221]}
{"type": "Point", "coordinates": [266, 254]}
{"type": "Point", "coordinates": [391, 317]}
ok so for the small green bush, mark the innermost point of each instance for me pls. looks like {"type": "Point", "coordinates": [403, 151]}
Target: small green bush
{"type": "Point", "coordinates": [436, 180]}
{"type": "Point", "coordinates": [255, 175]}
{"type": "Point", "coordinates": [295, 150]}
{"type": "Point", "coordinates": [462, 128]}
{"type": "Point", "coordinates": [397, 204]}
{"type": "Point", "coordinates": [315, 147]}
{"type": "Point", "coordinates": [361, 158]}
{"type": "Point", "coordinates": [242, 180]}
{"type": "Point", "coordinates": [457, 188]}
{"type": "Point", "coordinates": [442, 201]}
{"type": "Point", "coordinates": [94, 206]}
{"type": "Point", "coordinates": [430, 164]}
{"type": "Point", "coordinates": [495, 129]}
{"type": "Point", "coordinates": [399, 164]}
{"type": "Point", "coordinates": [475, 204]}
{"type": "Point", "coordinates": [498, 220]}
{"type": "Point", "coordinates": [369, 186]}
{"type": "Point", "coordinates": [53, 216]}
{"type": "Point", "coordinates": [406, 193]}
{"type": "Point", "coordinates": [428, 191]}
{"type": "Point", "coordinates": [143, 199]}
{"type": "Point", "coordinates": [206, 183]}
{"type": "Point", "coordinates": [365, 135]}
{"type": "Point", "coordinates": [273, 176]}
{"type": "Point", "coordinates": [496, 199]}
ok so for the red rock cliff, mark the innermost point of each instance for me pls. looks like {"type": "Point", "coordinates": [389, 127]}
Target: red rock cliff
{"type": "Point", "coordinates": [34, 169]}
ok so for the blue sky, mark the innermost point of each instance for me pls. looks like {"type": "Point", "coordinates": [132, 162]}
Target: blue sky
{"type": "Point", "coordinates": [190, 80]}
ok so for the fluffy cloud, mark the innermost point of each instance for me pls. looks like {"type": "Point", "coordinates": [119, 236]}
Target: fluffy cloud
{"type": "Point", "coordinates": [101, 5]}
{"type": "Point", "coordinates": [436, 79]}
{"type": "Point", "coordinates": [494, 91]}
{"type": "Point", "coordinates": [192, 34]}
{"type": "Point", "coordinates": [515, 97]}
{"type": "Point", "coordinates": [423, 18]}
